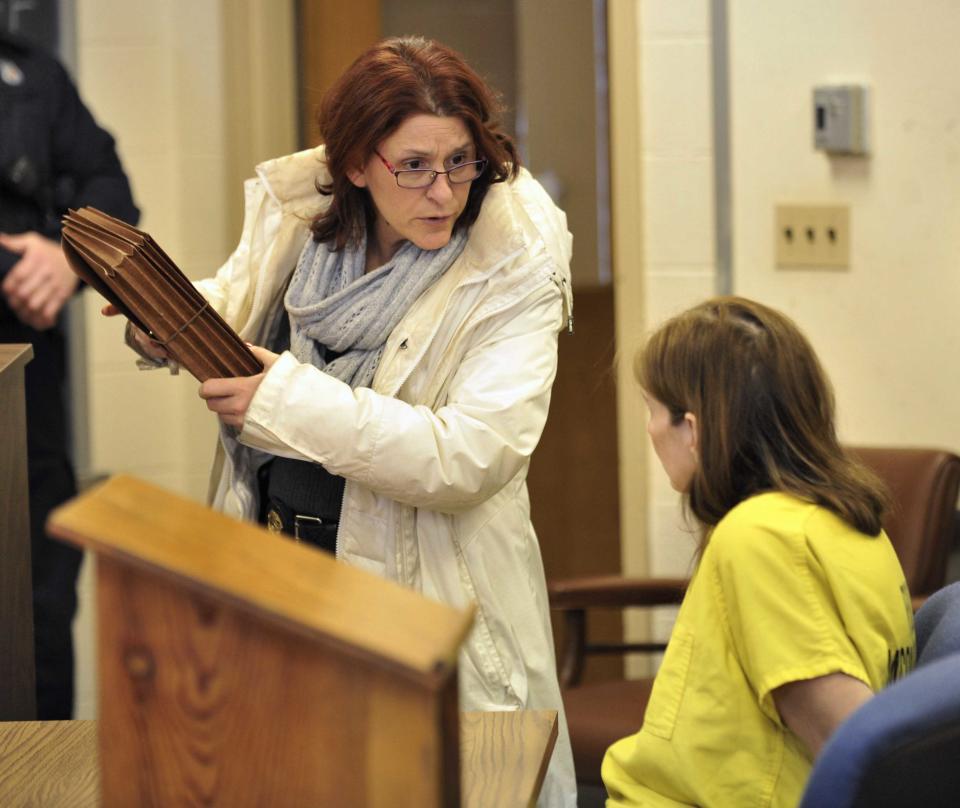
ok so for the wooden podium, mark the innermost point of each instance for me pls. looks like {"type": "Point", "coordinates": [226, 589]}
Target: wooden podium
{"type": "Point", "coordinates": [17, 685]}
{"type": "Point", "coordinates": [240, 668]}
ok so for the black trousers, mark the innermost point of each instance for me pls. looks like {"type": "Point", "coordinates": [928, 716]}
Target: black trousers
{"type": "Point", "coordinates": [55, 566]}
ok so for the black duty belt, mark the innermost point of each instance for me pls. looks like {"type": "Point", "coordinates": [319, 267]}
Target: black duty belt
{"type": "Point", "coordinates": [301, 500]}
{"type": "Point", "coordinates": [301, 527]}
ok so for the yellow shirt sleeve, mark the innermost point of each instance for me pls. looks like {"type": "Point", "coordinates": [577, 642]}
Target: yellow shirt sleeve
{"type": "Point", "coordinates": [778, 607]}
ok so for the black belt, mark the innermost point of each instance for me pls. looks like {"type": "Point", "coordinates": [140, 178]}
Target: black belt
{"type": "Point", "coordinates": [301, 500]}
{"type": "Point", "coordinates": [301, 527]}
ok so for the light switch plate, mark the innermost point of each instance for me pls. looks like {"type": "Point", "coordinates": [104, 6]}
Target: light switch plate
{"type": "Point", "coordinates": [812, 236]}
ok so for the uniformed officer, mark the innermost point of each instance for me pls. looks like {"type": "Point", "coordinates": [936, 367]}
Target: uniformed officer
{"type": "Point", "coordinates": [53, 156]}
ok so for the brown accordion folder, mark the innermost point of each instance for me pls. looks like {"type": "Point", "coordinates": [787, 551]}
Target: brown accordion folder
{"type": "Point", "coordinates": [131, 271]}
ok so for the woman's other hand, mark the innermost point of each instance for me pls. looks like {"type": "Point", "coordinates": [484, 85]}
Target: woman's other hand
{"type": "Point", "coordinates": [138, 340]}
{"type": "Point", "coordinates": [230, 398]}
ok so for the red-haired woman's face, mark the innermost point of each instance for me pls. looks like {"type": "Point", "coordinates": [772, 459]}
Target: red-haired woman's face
{"type": "Point", "coordinates": [425, 216]}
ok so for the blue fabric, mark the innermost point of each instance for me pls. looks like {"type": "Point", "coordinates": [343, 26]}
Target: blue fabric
{"type": "Point", "coordinates": [938, 625]}
{"type": "Point", "coordinates": [914, 723]}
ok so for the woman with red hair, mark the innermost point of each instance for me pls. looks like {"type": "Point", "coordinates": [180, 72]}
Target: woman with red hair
{"type": "Point", "coordinates": [408, 280]}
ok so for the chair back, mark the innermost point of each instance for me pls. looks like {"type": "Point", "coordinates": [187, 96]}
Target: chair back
{"type": "Point", "coordinates": [924, 484]}
{"type": "Point", "coordinates": [938, 625]}
{"type": "Point", "coordinates": [900, 748]}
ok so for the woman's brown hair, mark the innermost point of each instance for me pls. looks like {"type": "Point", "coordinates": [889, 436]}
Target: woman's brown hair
{"type": "Point", "coordinates": [393, 80]}
{"type": "Point", "coordinates": [764, 409]}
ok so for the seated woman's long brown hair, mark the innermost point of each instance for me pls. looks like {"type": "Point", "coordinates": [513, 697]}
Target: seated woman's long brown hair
{"type": "Point", "coordinates": [765, 411]}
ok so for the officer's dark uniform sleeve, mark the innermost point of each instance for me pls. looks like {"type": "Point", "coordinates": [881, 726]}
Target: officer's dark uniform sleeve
{"type": "Point", "coordinates": [85, 166]}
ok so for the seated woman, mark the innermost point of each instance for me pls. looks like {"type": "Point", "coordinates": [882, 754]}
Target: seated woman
{"type": "Point", "coordinates": [410, 281]}
{"type": "Point", "coordinates": [798, 610]}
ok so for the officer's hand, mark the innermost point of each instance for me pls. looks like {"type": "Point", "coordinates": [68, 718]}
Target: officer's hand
{"type": "Point", "coordinates": [40, 283]}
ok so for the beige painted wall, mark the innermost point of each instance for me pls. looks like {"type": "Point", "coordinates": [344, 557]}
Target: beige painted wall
{"type": "Point", "coordinates": [662, 247]}
{"type": "Point", "coordinates": [163, 78]}
{"type": "Point", "coordinates": [885, 329]}
{"type": "Point", "coordinates": [678, 211]}
{"type": "Point", "coordinates": [152, 73]}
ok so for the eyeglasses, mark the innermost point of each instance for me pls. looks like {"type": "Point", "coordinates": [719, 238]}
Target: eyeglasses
{"type": "Point", "coordinates": [425, 177]}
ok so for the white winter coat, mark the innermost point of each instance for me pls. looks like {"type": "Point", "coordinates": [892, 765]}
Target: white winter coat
{"type": "Point", "coordinates": [435, 455]}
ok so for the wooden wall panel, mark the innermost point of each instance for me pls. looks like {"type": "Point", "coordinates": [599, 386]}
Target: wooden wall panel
{"type": "Point", "coordinates": [330, 35]}
{"type": "Point", "coordinates": [573, 476]}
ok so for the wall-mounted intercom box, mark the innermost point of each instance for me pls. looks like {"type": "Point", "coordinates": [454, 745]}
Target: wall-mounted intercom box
{"type": "Point", "coordinates": [840, 119]}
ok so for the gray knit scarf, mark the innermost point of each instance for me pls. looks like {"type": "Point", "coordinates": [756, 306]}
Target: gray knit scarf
{"type": "Point", "coordinates": [333, 304]}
